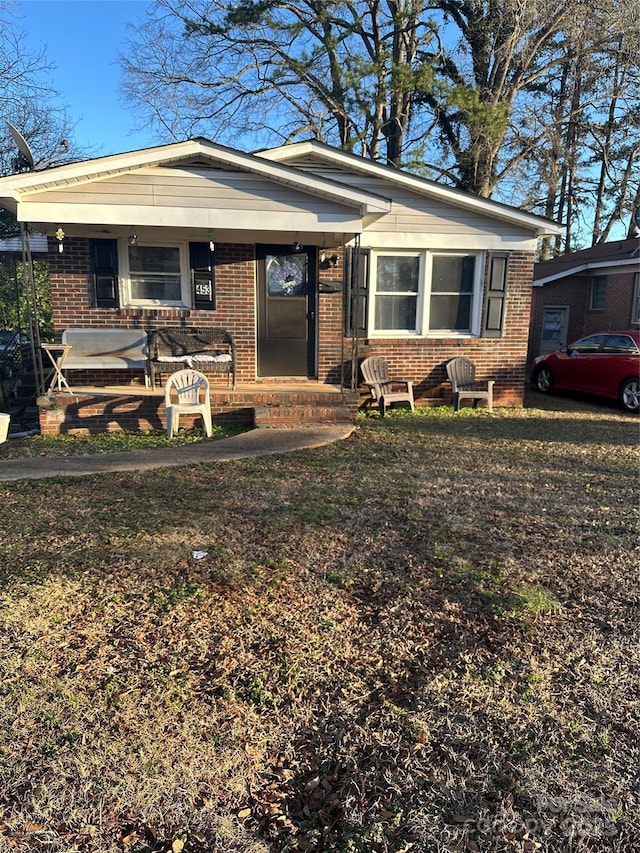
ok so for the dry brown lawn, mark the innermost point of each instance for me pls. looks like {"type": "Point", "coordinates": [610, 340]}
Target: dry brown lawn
{"type": "Point", "coordinates": [423, 638]}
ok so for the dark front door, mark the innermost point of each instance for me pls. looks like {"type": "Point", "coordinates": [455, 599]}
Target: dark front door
{"type": "Point", "coordinates": [286, 311]}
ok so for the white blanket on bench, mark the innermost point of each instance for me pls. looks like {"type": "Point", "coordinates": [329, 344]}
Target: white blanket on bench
{"type": "Point", "coordinates": [219, 358]}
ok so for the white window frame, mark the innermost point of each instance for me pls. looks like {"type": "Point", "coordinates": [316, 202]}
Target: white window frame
{"type": "Point", "coordinates": [185, 289]}
{"type": "Point", "coordinates": [373, 285]}
{"type": "Point", "coordinates": [423, 306]}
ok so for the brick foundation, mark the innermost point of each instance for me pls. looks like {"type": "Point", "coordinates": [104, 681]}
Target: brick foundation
{"type": "Point", "coordinates": [89, 413]}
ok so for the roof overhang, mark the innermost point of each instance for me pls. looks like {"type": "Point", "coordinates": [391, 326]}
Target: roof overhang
{"type": "Point", "coordinates": [541, 226]}
{"type": "Point", "coordinates": [170, 217]}
{"type": "Point", "coordinates": [586, 266]}
{"type": "Point", "coordinates": [19, 192]}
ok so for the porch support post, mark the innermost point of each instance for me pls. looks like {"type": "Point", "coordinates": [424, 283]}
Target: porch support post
{"type": "Point", "coordinates": [31, 300]}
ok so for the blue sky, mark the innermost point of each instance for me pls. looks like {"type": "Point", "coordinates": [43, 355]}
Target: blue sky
{"type": "Point", "coordinates": [84, 38]}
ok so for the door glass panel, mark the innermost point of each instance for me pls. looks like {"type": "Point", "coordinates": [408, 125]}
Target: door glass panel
{"type": "Point", "coordinates": [554, 329]}
{"type": "Point", "coordinates": [286, 275]}
{"type": "Point", "coordinates": [620, 344]}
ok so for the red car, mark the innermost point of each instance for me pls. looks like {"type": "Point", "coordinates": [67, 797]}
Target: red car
{"type": "Point", "coordinates": [606, 364]}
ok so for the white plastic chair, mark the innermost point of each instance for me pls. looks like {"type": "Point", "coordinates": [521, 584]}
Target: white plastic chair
{"type": "Point", "coordinates": [188, 386]}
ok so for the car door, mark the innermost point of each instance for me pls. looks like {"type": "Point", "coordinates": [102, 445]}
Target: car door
{"type": "Point", "coordinates": [619, 362]}
{"type": "Point", "coordinates": [577, 367]}
{"type": "Point", "coordinates": [602, 363]}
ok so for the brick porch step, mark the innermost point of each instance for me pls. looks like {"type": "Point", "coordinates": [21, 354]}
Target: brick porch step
{"type": "Point", "coordinates": [296, 415]}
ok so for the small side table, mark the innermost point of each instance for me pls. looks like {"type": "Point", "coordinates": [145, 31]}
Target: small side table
{"type": "Point", "coordinates": [57, 354]}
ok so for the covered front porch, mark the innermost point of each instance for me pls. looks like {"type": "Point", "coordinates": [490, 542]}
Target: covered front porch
{"type": "Point", "coordinates": [89, 409]}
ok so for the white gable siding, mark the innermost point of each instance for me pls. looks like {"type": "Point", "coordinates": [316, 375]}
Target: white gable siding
{"type": "Point", "coordinates": [190, 188]}
{"type": "Point", "coordinates": [416, 220]}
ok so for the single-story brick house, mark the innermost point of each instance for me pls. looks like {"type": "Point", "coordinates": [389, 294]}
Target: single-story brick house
{"type": "Point", "coordinates": [312, 258]}
{"type": "Point", "coordinates": [584, 292]}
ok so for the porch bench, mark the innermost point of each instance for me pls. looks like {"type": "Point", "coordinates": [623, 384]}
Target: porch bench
{"type": "Point", "coordinates": [206, 350]}
{"type": "Point", "coordinates": [106, 349]}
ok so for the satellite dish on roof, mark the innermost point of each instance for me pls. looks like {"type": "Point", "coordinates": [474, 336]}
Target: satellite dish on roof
{"type": "Point", "coordinates": [25, 161]}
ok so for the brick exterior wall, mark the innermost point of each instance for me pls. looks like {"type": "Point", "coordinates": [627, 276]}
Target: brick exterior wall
{"type": "Point", "coordinates": [72, 303]}
{"type": "Point", "coordinates": [503, 359]}
{"type": "Point", "coordinates": [86, 414]}
{"type": "Point", "coordinates": [575, 293]}
{"type": "Point", "coordinates": [421, 360]}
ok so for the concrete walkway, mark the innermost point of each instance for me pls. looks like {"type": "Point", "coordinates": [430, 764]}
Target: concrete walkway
{"type": "Point", "coordinates": [256, 442]}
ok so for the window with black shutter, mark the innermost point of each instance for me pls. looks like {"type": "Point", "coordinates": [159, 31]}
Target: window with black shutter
{"type": "Point", "coordinates": [356, 293]}
{"type": "Point", "coordinates": [495, 297]}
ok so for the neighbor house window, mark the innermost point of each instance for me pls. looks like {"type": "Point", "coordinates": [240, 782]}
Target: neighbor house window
{"type": "Point", "coordinates": [156, 275]}
{"type": "Point", "coordinates": [635, 311]}
{"type": "Point", "coordinates": [598, 292]}
{"type": "Point", "coordinates": [426, 293]}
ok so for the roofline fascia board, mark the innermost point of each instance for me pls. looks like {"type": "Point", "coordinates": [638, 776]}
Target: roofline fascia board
{"type": "Point", "coordinates": [103, 168]}
{"type": "Point", "coordinates": [587, 265]}
{"type": "Point", "coordinates": [170, 217]}
{"type": "Point", "coordinates": [544, 227]}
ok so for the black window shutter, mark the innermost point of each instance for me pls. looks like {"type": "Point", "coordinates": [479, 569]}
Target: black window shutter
{"type": "Point", "coordinates": [357, 292]}
{"type": "Point", "coordinates": [203, 282]}
{"type": "Point", "coordinates": [104, 269]}
{"type": "Point", "coordinates": [495, 297]}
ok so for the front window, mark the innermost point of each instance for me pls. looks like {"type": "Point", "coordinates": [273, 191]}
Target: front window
{"type": "Point", "coordinates": [635, 311]}
{"type": "Point", "coordinates": [426, 293]}
{"type": "Point", "coordinates": [397, 286]}
{"type": "Point", "coordinates": [452, 284]}
{"type": "Point", "coordinates": [156, 275]}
